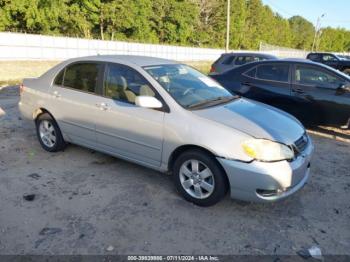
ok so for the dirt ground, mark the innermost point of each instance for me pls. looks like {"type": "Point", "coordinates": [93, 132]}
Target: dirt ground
{"type": "Point", "coordinates": [90, 203]}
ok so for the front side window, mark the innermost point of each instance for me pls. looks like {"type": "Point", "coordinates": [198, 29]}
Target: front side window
{"type": "Point", "coordinates": [311, 76]}
{"type": "Point", "coordinates": [190, 88]}
{"type": "Point", "coordinates": [273, 72]}
{"type": "Point", "coordinates": [125, 84]}
{"type": "Point", "coordinates": [82, 76]}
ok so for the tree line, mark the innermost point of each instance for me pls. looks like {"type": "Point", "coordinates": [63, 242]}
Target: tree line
{"type": "Point", "coordinates": [199, 23]}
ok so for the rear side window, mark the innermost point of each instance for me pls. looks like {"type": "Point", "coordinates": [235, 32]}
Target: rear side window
{"type": "Point", "coordinates": [59, 78]}
{"type": "Point", "coordinates": [228, 60]}
{"type": "Point", "coordinates": [82, 76]}
{"type": "Point", "coordinates": [273, 72]}
{"type": "Point", "coordinates": [314, 57]}
{"type": "Point", "coordinates": [241, 60]}
{"type": "Point", "coordinates": [251, 72]}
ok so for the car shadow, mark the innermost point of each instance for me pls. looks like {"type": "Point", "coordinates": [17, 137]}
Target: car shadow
{"type": "Point", "coordinates": [331, 132]}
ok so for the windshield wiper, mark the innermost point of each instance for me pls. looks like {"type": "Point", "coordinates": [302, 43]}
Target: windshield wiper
{"type": "Point", "coordinates": [213, 102]}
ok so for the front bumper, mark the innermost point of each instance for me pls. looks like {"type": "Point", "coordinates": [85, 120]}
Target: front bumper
{"type": "Point", "coordinates": [267, 182]}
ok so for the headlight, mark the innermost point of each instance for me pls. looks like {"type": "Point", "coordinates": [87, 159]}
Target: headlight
{"type": "Point", "coordinates": [266, 150]}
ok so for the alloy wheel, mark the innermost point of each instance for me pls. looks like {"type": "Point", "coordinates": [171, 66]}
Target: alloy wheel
{"type": "Point", "coordinates": [47, 133]}
{"type": "Point", "coordinates": [197, 179]}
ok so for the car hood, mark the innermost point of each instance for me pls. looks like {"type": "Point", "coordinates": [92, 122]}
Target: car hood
{"type": "Point", "coordinates": [256, 119]}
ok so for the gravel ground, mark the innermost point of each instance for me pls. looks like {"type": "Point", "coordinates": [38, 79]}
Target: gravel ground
{"type": "Point", "coordinates": [90, 203]}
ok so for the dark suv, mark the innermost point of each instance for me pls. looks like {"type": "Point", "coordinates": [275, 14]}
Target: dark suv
{"type": "Point", "coordinates": [337, 62]}
{"type": "Point", "coordinates": [229, 61]}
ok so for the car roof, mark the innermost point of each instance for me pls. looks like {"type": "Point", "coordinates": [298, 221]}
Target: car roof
{"type": "Point", "coordinates": [287, 60]}
{"type": "Point", "coordinates": [248, 53]}
{"type": "Point", "coordinates": [321, 53]}
{"type": "Point", "coordinates": [282, 61]}
{"type": "Point", "coordinates": [127, 59]}
{"type": "Point", "coordinates": [276, 61]}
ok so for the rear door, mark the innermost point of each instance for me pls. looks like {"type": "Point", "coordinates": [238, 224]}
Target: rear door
{"type": "Point", "coordinates": [122, 128]}
{"type": "Point", "coordinates": [73, 101]}
{"type": "Point", "coordinates": [318, 95]}
{"type": "Point", "coordinates": [268, 83]}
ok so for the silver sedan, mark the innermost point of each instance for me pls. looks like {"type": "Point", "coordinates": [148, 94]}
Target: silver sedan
{"type": "Point", "coordinates": [167, 116]}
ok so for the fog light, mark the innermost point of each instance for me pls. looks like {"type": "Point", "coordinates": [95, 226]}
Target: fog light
{"type": "Point", "coordinates": [269, 193]}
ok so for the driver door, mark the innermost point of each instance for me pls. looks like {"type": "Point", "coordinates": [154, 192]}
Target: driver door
{"type": "Point", "coordinates": [122, 128]}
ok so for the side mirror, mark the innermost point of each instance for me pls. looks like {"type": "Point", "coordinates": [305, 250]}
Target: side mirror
{"type": "Point", "coordinates": [148, 102]}
{"type": "Point", "coordinates": [343, 89]}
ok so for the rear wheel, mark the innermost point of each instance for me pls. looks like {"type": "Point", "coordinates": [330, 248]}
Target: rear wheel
{"type": "Point", "coordinates": [199, 178]}
{"type": "Point", "coordinates": [49, 134]}
{"type": "Point", "coordinates": [347, 125]}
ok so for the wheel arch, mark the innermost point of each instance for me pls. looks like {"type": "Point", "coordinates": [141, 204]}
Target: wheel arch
{"type": "Point", "coordinates": [41, 111]}
{"type": "Point", "coordinates": [184, 148]}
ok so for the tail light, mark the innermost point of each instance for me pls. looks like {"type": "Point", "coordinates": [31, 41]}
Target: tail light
{"type": "Point", "coordinates": [21, 89]}
{"type": "Point", "coordinates": [212, 69]}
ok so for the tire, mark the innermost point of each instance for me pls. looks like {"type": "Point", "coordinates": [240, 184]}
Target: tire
{"type": "Point", "coordinates": [347, 71]}
{"type": "Point", "coordinates": [49, 134]}
{"type": "Point", "coordinates": [346, 126]}
{"type": "Point", "coordinates": [202, 188]}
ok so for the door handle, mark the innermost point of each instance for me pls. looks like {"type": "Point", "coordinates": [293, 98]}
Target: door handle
{"type": "Point", "coordinates": [298, 90]}
{"type": "Point", "coordinates": [56, 94]}
{"type": "Point", "coordinates": [247, 84]}
{"type": "Point", "coordinates": [103, 106]}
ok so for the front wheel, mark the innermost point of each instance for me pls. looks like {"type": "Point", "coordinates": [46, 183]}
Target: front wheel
{"type": "Point", "coordinates": [199, 178]}
{"type": "Point", "coordinates": [49, 134]}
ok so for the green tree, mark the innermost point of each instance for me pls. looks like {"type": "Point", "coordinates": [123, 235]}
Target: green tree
{"type": "Point", "coordinates": [303, 32]}
{"type": "Point", "coordinates": [181, 22]}
{"type": "Point", "coordinates": [172, 20]}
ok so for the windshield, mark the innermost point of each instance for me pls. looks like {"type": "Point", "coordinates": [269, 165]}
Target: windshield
{"type": "Point", "coordinates": [344, 57]}
{"type": "Point", "coordinates": [188, 87]}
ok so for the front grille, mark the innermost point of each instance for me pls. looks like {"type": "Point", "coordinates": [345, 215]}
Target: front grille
{"type": "Point", "coordinates": [301, 144]}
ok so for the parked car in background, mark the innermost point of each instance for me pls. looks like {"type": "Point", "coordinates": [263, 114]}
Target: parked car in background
{"type": "Point", "coordinates": [232, 60]}
{"type": "Point", "coordinates": [344, 57]}
{"type": "Point", "coordinates": [337, 62]}
{"type": "Point", "coordinates": [314, 93]}
{"type": "Point", "coordinates": [170, 117]}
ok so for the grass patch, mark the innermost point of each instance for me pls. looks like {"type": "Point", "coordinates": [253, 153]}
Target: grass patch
{"type": "Point", "coordinates": [12, 72]}
{"type": "Point", "coordinates": [203, 66]}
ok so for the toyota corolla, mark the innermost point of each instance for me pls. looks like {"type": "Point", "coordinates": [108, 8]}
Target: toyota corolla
{"type": "Point", "coordinates": [167, 116]}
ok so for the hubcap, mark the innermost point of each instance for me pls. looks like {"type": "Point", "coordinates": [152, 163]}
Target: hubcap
{"type": "Point", "coordinates": [47, 133]}
{"type": "Point", "coordinates": [197, 179]}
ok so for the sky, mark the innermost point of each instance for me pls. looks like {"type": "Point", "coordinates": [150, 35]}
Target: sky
{"type": "Point", "coordinates": [337, 11]}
